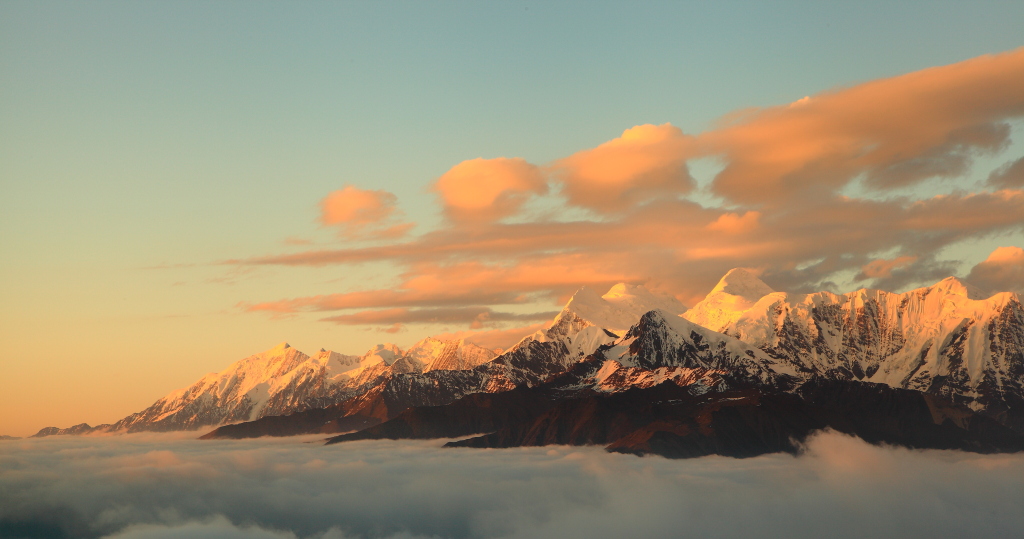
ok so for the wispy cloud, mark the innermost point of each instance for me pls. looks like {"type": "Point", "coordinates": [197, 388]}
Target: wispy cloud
{"type": "Point", "coordinates": [476, 317]}
{"type": "Point", "coordinates": [1008, 176]}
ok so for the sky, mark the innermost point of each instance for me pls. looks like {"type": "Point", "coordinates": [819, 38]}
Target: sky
{"type": "Point", "coordinates": [186, 184]}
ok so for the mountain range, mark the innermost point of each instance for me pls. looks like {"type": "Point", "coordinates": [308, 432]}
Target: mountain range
{"type": "Point", "coordinates": [939, 366]}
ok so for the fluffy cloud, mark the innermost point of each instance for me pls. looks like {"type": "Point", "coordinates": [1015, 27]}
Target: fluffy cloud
{"type": "Point", "coordinates": [785, 173]}
{"type": "Point", "coordinates": [150, 486]}
{"type": "Point", "coordinates": [485, 190]}
{"type": "Point", "coordinates": [359, 212]}
{"type": "Point", "coordinates": [894, 132]}
{"type": "Point", "coordinates": [647, 161]}
{"type": "Point", "coordinates": [1003, 270]}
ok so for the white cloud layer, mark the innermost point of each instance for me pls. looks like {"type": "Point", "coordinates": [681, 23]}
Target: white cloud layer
{"type": "Point", "coordinates": [161, 486]}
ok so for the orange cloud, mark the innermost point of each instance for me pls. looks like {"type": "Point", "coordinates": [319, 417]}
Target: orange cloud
{"type": "Point", "coordinates": [894, 132]}
{"type": "Point", "coordinates": [1008, 176]}
{"type": "Point", "coordinates": [785, 214]}
{"type": "Point", "coordinates": [475, 317]}
{"type": "Point", "coordinates": [486, 190]}
{"type": "Point", "coordinates": [733, 223]}
{"type": "Point", "coordinates": [383, 298]}
{"type": "Point", "coordinates": [1002, 271]}
{"type": "Point", "coordinates": [494, 338]}
{"type": "Point", "coordinates": [676, 246]}
{"type": "Point", "coordinates": [359, 211]}
{"type": "Point", "coordinates": [645, 162]}
{"type": "Point", "coordinates": [881, 268]}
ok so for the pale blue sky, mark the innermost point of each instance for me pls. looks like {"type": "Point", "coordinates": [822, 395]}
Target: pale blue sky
{"type": "Point", "coordinates": [144, 134]}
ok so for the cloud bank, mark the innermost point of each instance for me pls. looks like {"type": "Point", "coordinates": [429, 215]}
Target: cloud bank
{"type": "Point", "coordinates": [151, 486]}
{"type": "Point", "coordinates": [809, 193]}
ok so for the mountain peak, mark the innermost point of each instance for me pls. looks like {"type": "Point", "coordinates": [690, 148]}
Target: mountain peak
{"type": "Point", "coordinates": [281, 346]}
{"type": "Point", "coordinates": [639, 299]}
{"type": "Point", "coordinates": [625, 289]}
{"type": "Point", "coordinates": [621, 307]}
{"type": "Point", "coordinates": [957, 287]}
{"type": "Point", "coordinates": [744, 283]}
{"type": "Point", "coordinates": [387, 353]}
{"type": "Point", "coordinates": [585, 295]}
{"type": "Point", "coordinates": [735, 293]}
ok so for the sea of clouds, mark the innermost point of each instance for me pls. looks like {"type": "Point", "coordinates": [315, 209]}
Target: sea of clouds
{"type": "Point", "coordinates": [173, 486]}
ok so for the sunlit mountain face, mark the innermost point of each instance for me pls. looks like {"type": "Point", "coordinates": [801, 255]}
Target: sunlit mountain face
{"type": "Point", "coordinates": [938, 367]}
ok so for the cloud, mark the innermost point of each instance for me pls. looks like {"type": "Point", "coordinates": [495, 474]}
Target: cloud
{"type": "Point", "coordinates": [164, 486]}
{"type": "Point", "coordinates": [358, 212]}
{"type": "Point", "coordinates": [486, 190]}
{"type": "Point", "coordinates": [881, 268]}
{"type": "Point", "coordinates": [734, 223]}
{"type": "Point", "coordinates": [1008, 176]}
{"type": "Point", "coordinates": [647, 161]}
{"type": "Point", "coordinates": [214, 528]}
{"type": "Point", "coordinates": [892, 132]}
{"type": "Point", "coordinates": [1002, 271]}
{"type": "Point", "coordinates": [477, 317]}
{"type": "Point", "coordinates": [677, 247]}
{"type": "Point", "coordinates": [788, 210]}
{"type": "Point", "coordinates": [384, 298]}
{"type": "Point", "coordinates": [494, 338]}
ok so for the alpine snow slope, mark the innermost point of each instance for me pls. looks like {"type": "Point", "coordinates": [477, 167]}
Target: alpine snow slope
{"type": "Point", "coordinates": [340, 392]}
{"type": "Point", "coordinates": [675, 388]}
{"type": "Point", "coordinates": [948, 341]}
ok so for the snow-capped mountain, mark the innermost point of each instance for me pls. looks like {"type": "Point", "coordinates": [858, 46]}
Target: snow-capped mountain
{"type": "Point", "coordinates": [946, 339]}
{"type": "Point", "coordinates": [386, 380]}
{"type": "Point", "coordinates": [745, 371]}
{"type": "Point", "coordinates": [587, 322]}
{"type": "Point", "coordinates": [663, 342]}
{"type": "Point", "coordinates": [734, 295]}
{"type": "Point", "coordinates": [432, 354]}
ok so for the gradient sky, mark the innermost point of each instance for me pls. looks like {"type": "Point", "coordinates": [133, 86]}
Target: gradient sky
{"type": "Point", "coordinates": [160, 163]}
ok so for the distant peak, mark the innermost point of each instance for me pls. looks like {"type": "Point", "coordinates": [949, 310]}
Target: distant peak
{"type": "Point", "coordinates": [638, 299]}
{"type": "Point", "coordinates": [955, 286]}
{"type": "Point", "coordinates": [584, 298]}
{"type": "Point", "coordinates": [280, 347]}
{"type": "Point", "coordinates": [387, 352]}
{"type": "Point", "coordinates": [625, 289]}
{"type": "Point", "coordinates": [744, 283]}
{"type": "Point", "coordinates": [584, 293]}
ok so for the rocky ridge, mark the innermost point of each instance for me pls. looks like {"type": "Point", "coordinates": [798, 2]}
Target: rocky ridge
{"type": "Point", "coordinates": [947, 341]}
{"type": "Point", "coordinates": [342, 391]}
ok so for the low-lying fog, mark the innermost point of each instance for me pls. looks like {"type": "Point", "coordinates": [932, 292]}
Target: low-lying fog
{"type": "Point", "coordinates": [159, 486]}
